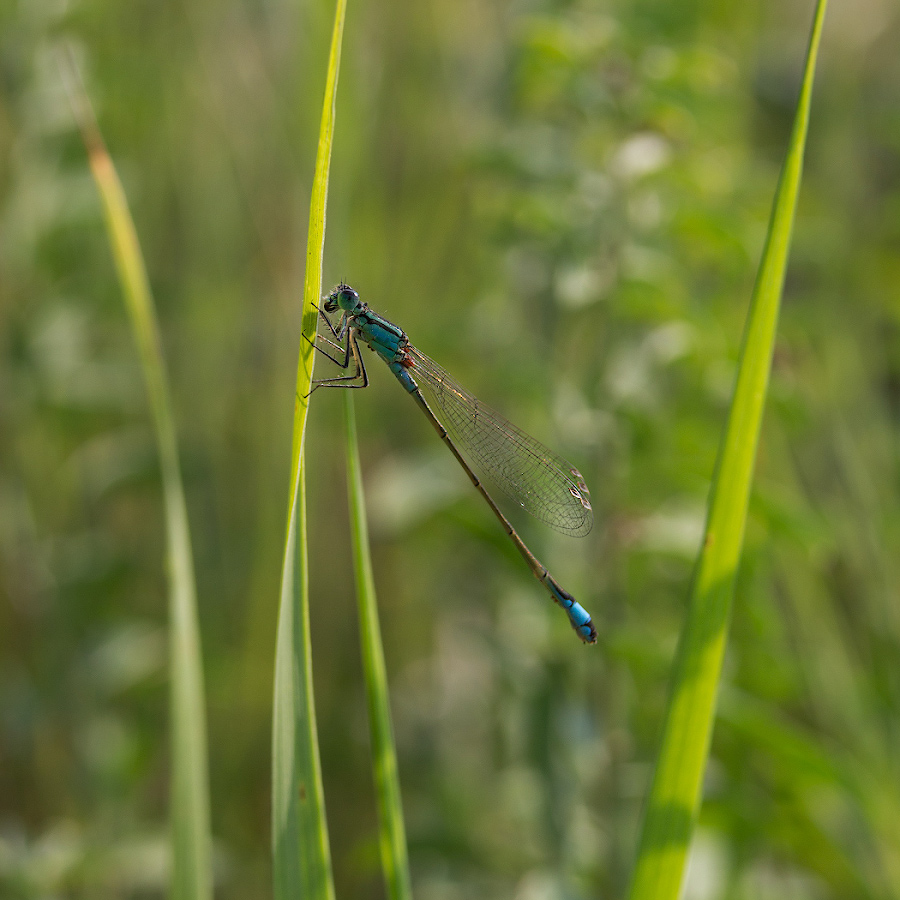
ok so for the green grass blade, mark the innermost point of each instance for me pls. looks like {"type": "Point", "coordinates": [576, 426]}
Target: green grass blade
{"type": "Point", "coordinates": [302, 860]}
{"type": "Point", "coordinates": [301, 855]}
{"type": "Point", "coordinates": [675, 793]}
{"type": "Point", "coordinates": [191, 872]}
{"type": "Point", "coordinates": [392, 833]}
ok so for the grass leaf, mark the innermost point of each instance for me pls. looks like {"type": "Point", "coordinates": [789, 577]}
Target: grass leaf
{"type": "Point", "coordinates": [301, 855]}
{"type": "Point", "coordinates": [189, 791]}
{"type": "Point", "coordinates": [675, 793]}
{"type": "Point", "coordinates": [392, 833]}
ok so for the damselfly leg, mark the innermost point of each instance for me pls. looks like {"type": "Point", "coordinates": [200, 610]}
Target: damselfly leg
{"type": "Point", "coordinates": [349, 349]}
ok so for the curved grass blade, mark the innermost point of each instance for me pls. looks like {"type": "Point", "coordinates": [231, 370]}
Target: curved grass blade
{"type": "Point", "coordinates": [392, 833]}
{"type": "Point", "coordinates": [301, 855]}
{"type": "Point", "coordinates": [189, 791]}
{"type": "Point", "coordinates": [674, 798]}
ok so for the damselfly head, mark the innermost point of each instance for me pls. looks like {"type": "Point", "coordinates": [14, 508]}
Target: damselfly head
{"type": "Point", "coordinates": [343, 297]}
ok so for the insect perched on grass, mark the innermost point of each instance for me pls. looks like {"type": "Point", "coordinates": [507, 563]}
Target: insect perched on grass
{"type": "Point", "coordinates": [536, 478]}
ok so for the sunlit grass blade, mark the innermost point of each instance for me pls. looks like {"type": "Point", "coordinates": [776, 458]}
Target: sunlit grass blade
{"type": "Point", "coordinates": [301, 855]}
{"type": "Point", "coordinates": [392, 833]}
{"type": "Point", "coordinates": [675, 793]}
{"type": "Point", "coordinates": [189, 791]}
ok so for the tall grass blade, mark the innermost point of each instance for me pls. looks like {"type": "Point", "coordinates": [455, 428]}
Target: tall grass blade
{"type": "Point", "coordinates": [392, 833]}
{"type": "Point", "coordinates": [674, 798]}
{"type": "Point", "coordinates": [189, 792]}
{"type": "Point", "coordinates": [301, 855]}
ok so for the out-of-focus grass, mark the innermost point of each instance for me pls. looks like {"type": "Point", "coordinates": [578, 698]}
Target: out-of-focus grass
{"type": "Point", "coordinates": [560, 204]}
{"type": "Point", "coordinates": [675, 793]}
{"type": "Point", "coordinates": [392, 832]}
{"type": "Point", "coordinates": [191, 862]}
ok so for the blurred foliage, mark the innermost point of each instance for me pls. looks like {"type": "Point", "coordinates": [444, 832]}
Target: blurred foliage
{"type": "Point", "coordinates": [563, 203]}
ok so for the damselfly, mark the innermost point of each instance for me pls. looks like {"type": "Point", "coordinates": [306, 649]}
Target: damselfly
{"type": "Point", "coordinates": [532, 475]}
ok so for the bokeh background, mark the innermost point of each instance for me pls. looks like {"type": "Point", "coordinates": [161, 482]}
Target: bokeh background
{"type": "Point", "coordinates": [564, 204]}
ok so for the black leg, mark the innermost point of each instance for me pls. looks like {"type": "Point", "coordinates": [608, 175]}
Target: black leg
{"type": "Point", "coordinates": [340, 347]}
{"type": "Point", "coordinates": [345, 350]}
{"type": "Point", "coordinates": [344, 380]}
{"type": "Point", "coordinates": [336, 334]}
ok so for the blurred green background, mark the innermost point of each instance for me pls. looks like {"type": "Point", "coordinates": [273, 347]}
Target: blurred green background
{"type": "Point", "coordinates": [563, 203]}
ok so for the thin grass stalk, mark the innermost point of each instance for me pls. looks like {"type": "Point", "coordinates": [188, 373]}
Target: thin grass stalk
{"type": "Point", "coordinates": [674, 799]}
{"type": "Point", "coordinates": [300, 849]}
{"type": "Point", "coordinates": [189, 789]}
{"type": "Point", "coordinates": [392, 832]}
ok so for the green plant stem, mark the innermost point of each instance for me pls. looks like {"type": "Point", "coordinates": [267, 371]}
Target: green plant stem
{"type": "Point", "coordinates": [392, 833]}
{"type": "Point", "coordinates": [674, 799]}
{"type": "Point", "coordinates": [301, 855]}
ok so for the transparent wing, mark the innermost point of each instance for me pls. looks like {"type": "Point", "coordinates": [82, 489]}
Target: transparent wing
{"type": "Point", "coordinates": [529, 473]}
